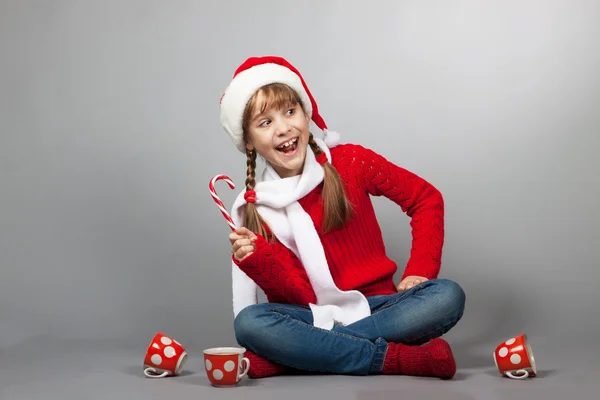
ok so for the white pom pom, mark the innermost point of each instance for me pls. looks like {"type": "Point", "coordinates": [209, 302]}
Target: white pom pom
{"type": "Point", "coordinates": [331, 138]}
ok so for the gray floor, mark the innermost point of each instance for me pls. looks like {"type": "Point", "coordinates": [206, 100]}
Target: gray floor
{"type": "Point", "coordinates": [47, 368]}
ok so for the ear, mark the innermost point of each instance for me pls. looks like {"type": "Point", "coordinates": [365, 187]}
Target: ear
{"type": "Point", "coordinates": [249, 146]}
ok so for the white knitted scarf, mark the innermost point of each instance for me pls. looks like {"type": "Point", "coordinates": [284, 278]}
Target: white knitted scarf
{"type": "Point", "coordinates": [277, 202]}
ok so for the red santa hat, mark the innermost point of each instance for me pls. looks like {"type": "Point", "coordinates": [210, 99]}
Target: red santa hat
{"type": "Point", "coordinates": [254, 73]}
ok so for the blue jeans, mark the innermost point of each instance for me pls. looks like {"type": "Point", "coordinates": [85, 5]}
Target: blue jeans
{"type": "Point", "coordinates": [284, 333]}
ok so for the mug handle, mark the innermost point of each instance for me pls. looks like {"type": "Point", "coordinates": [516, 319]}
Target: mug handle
{"type": "Point", "coordinates": [524, 375]}
{"type": "Point", "coordinates": [245, 369]}
{"type": "Point", "coordinates": [149, 375]}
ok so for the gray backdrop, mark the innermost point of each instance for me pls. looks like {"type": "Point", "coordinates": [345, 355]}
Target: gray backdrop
{"type": "Point", "coordinates": [109, 134]}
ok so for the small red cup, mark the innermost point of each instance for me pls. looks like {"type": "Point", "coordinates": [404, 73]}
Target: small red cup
{"type": "Point", "coordinates": [225, 365]}
{"type": "Point", "coordinates": [514, 358]}
{"type": "Point", "coordinates": [164, 357]}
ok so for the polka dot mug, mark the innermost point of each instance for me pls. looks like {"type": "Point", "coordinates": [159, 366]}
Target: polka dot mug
{"type": "Point", "coordinates": [514, 358]}
{"type": "Point", "coordinates": [165, 356]}
{"type": "Point", "coordinates": [225, 366]}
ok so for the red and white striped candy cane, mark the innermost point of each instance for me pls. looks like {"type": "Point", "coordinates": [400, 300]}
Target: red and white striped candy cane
{"type": "Point", "coordinates": [211, 187]}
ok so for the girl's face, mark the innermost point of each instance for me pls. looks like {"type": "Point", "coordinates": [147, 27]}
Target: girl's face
{"type": "Point", "coordinates": [280, 135]}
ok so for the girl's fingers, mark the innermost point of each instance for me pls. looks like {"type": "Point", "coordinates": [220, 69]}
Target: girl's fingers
{"type": "Point", "coordinates": [233, 236]}
{"type": "Point", "coordinates": [242, 243]}
{"type": "Point", "coordinates": [243, 251]}
{"type": "Point", "coordinates": [243, 231]}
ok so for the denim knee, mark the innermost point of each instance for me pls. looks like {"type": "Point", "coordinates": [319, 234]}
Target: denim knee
{"type": "Point", "coordinates": [246, 325]}
{"type": "Point", "coordinates": [450, 296]}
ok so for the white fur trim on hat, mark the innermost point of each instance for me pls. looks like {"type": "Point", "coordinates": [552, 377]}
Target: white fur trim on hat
{"type": "Point", "coordinates": [242, 88]}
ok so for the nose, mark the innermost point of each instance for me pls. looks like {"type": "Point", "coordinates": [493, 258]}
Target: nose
{"type": "Point", "coordinates": [283, 127]}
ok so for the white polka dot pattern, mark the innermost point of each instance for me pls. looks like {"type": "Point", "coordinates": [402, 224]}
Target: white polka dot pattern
{"type": "Point", "coordinates": [169, 351]}
{"type": "Point", "coordinates": [156, 359]}
{"type": "Point", "coordinates": [229, 366]}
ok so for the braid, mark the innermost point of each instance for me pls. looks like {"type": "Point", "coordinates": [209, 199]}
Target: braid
{"type": "Point", "coordinates": [313, 145]}
{"type": "Point", "coordinates": [338, 209]}
{"type": "Point", "coordinates": [252, 219]}
{"type": "Point", "coordinates": [250, 168]}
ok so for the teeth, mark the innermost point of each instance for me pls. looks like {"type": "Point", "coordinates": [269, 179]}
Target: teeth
{"type": "Point", "coordinates": [288, 143]}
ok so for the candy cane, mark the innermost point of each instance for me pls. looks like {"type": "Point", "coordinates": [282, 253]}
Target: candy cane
{"type": "Point", "coordinates": [211, 187]}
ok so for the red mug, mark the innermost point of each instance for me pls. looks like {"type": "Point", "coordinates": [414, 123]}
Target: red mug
{"type": "Point", "coordinates": [165, 356]}
{"type": "Point", "coordinates": [225, 366]}
{"type": "Point", "coordinates": [514, 358]}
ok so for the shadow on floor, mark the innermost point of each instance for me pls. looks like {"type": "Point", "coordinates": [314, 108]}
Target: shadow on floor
{"type": "Point", "coordinates": [135, 370]}
{"type": "Point", "coordinates": [540, 374]}
{"type": "Point", "coordinates": [202, 380]}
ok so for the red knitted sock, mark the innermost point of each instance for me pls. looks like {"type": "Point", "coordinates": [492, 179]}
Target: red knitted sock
{"type": "Point", "coordinates": [263, 368]}
{"type": "Point", "coordinates": [433, 359]}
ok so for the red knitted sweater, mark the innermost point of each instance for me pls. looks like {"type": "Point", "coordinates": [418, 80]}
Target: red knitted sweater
{"type": "Point", "coordinates": [356, 253]}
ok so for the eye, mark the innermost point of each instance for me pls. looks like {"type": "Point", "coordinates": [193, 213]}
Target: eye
{"type": "Point", "coordinates": [291, 111]}
{"type": "Point", "coordinates": [263, 124]}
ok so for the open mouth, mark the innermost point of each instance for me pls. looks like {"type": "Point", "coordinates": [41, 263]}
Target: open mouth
{"type": "Point", "coordinates": [288, 147]}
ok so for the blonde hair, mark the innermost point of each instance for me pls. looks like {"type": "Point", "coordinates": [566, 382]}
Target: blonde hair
{"type": "Point", "coordinates": [337, 207]}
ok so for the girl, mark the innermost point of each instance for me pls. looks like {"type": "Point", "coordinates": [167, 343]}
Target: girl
{"type": "Point", "coordinates": [309, 238]}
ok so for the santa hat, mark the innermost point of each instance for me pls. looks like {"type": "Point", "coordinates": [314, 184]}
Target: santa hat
{"type": "Point", "coordinates": [254, 73]}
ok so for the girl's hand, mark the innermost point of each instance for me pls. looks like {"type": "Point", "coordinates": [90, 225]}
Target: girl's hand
{"type": "Point", "coordinates": [242, 243]}
{"type": "Point", "coordinates": [410, 281]}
